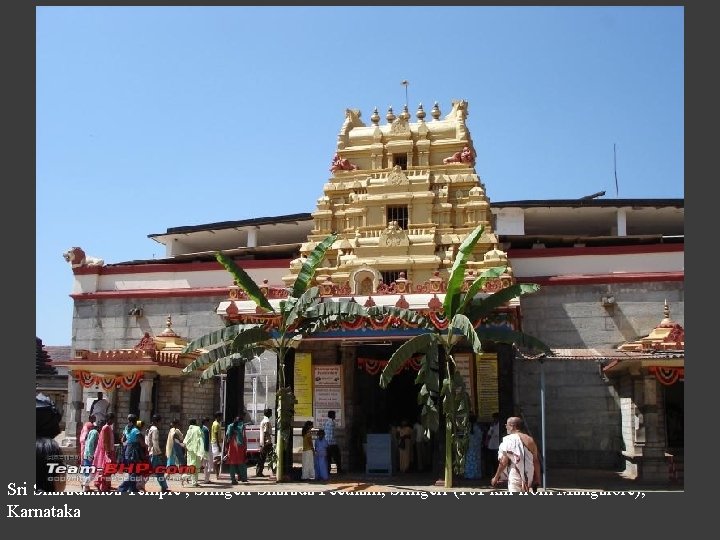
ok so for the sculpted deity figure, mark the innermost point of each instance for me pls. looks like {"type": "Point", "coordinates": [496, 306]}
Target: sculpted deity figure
{"type": "Point", "coordinates": [341, 164]}
{"type": "Point", "coordinates": [464, 156]}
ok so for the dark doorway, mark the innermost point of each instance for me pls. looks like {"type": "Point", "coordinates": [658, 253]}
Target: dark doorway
{"type": "Point", "coordinates": [675, 415]}
{"type": "Point", "coordinates": [378, 410]}
{"type": "Point", "coordinates": [235, 393]}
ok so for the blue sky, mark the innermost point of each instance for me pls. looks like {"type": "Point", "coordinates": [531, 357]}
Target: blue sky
{"type": "Point", "coordinates": [158, 117]}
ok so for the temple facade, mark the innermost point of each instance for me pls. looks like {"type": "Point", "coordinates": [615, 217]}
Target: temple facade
{"type": "Point", "coordinates": [402, 195]}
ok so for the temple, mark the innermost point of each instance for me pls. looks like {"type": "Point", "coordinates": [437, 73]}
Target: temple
{"type": "Point", "coordinates": [401, 195]}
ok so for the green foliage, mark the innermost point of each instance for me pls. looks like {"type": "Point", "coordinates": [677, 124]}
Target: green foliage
{"type": "Point", "coordinates": [244, 281]}
{"type": "Point", "coordinates": [307, 271]}
{"type": "Point", "coordinates": [300, 314]}
{"type": "Point", "coordinates": [461, 309]}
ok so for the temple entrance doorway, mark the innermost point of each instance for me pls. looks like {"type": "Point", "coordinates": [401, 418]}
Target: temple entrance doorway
{"type": "Point", "coordinates": [675, 415]}
{"type": "Point", "coordinates": [379, 410]}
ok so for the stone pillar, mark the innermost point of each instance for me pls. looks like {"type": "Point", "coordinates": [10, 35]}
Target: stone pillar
{"type": "Point", "coordinates": [653, 466]}
{"type": "Point", "coordinates": [74, 408]}
{"type": "Point", "coordinates": [146, 386]}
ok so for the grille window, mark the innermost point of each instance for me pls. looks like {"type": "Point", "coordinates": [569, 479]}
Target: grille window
{"type": "Point", "coordinates": [399, 214]}
{"type": "Point", "coordinates": [389, 276]}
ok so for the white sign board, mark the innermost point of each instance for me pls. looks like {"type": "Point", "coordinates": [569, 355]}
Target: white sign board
{"type": "Point", "coordinates": [327, 394]}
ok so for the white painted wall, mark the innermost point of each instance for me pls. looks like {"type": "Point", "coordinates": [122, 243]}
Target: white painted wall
{"type": "Point", "coordinates": [598, 264]}
{"type": "Point", "coordinates": [510, 221]}
{"type": "Point", "coordinates": [522, 268]}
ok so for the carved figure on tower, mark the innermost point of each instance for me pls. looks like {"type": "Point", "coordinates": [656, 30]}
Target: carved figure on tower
{"type": "Point", "coordinates": [464, 156]}
{"type": "Point", "coordinates": [341, 164]}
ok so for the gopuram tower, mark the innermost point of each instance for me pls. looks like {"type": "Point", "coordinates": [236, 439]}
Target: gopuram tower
{"type": "Point", "coordinates": [402, 196]}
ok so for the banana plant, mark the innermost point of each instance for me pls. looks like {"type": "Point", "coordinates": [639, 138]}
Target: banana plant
{"type": "Point", "coordinates": [460, 308]}
{"type": "Point", "coordinates": [300, 314]}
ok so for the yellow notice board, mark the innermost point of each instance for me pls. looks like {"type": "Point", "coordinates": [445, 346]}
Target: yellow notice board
{"type": "Point", "coordinates": [486, 380]}
{"type": "Point", "coordinates": [303, 386]}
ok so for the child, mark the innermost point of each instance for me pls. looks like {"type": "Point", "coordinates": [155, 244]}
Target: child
{"type": "Point", "coordinates": [322, 471]}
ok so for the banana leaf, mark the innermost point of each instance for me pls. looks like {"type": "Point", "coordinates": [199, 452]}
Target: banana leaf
{"type": "Point", "coordinates": [457, 273]}
{"type": "Point", "coordinates": [483, 307]}
{"type": "Point", "coordinates": [307, 271]}
{"type": "Point", "coordinates": [477, 285]}
{"type": "Point", "coordinates": [244, 281]}
{"type": "Point", "coordinates": [507, 335]}
{"type": "Point", "coordinates": [417, 344]}
{"type": "Point", "coordinates": [216, 338]}
{"type": "Point", "coordinates": [462, 325]}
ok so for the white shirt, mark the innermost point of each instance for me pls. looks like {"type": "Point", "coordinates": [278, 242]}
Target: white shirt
{"type": "Point", "coordinates": [99, 409]}
{"type": "Point", "coordinates": [152, 440]}
{"type": "Point", "coordinates": [265, 431]}
{"type": "Point", "coordinates": [494, 436]}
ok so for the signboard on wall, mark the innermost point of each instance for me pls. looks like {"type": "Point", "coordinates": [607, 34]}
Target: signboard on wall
{"type": "Point", "coordinates": [462, 364]}
{"type": "Point", "coordinates": [327, 387]}
{"type": "Point", "coordinates": [303, 386]}
{"type": "Point", "coordinates": [486, 378]}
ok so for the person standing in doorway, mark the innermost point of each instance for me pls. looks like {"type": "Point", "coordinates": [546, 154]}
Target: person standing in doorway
{"type": "Point", "coordinates": [492, 442]}
{"type": "Point", "coordinates": [266, 442]}
{"type": "Point", "coordinates": [405, 448]}
{"type": "Point", "coordinates": [422, 445]}
{"type": "Point", "coordinates": [99, 409]}
{"type": "Point", "coordinates": [333, 450]}
{"type": "Point", "coordinates": [473, 455]}
{"type": "Point", "coordinates": [322, 468]}
{"type": "Point", "coordinates": [308, 452]}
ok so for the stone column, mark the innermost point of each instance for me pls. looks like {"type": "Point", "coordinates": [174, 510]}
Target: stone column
{"type": "Point", "coordinates": [653, 465]}
{"type": "Point", "coordinates": [73, 411]}
{"type": "Point", "coordinates": [146, 386]}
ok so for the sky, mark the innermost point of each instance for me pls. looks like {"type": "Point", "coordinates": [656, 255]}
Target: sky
{"type": "Point", "coordinates": [149, 118]}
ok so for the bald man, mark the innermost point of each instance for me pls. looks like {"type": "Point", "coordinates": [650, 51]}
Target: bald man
{"type": "Point", "coordinates": [517, 458]}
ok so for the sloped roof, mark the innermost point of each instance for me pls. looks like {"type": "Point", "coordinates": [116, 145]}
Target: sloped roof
{"type": "Point", "coordinates": [58, 352]}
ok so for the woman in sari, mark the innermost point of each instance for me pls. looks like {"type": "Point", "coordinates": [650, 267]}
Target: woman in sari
{"type": "Point", "coordinates": [105, 453]}
{"type": "Point", "coordinates": [473, 468]}
{"type": "Point", "coordinates": [133, 453]}
{"type": "Point", "coordinates": [87, 426]}
{"type": "Point", "coordinates": [405, 449]}
{"type": "Point", "coordinates": [174, 447]}
{"type": "Point", "coordinates": [236, 451]}
{"type": "Point", "coordinates": [308, 452]}
{"type": "Point", "coordinates": [195, 448]}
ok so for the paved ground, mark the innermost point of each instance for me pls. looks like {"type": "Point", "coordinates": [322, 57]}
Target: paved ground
{"type": "Point", "coordinates": [557, 480]}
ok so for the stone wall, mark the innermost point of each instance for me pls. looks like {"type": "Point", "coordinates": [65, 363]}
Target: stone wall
{"type": "Point", "coordinates": [585, 424]}
{"type": "Point", "coordinates": [572, 316]}
{"type": "Point", "coordinates": [582, 413]}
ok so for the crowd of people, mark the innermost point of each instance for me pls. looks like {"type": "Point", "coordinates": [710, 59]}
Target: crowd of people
{"type": "Point", "coordinates": [203, 447]}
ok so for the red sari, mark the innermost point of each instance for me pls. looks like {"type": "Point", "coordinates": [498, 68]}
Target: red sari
{"type": "Point", "coordinates": [237, 445]}
{"type": "Point", "coordinates": [104, 454]}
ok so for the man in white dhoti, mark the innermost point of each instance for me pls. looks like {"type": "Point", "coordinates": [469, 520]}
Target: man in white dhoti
{"type": "Point", "coordinates": [517, 457]}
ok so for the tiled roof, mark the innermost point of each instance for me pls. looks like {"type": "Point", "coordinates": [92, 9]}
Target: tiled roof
{"type": "Point", "coordinates": [58, 352]}
{"type": "Point", "coordinates": [607, 354]}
